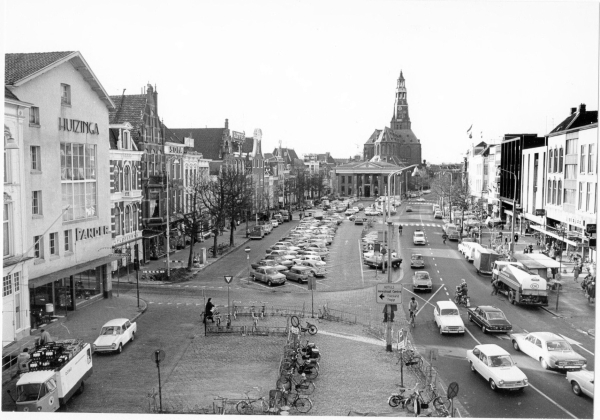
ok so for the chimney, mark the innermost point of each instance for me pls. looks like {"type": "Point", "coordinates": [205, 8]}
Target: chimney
{"type": "Point", "coordinates": [573, 110]}
{"type": "Point", "coordinates": [581, 108]}
{"type": "Point", "coordinates": [226, 123]}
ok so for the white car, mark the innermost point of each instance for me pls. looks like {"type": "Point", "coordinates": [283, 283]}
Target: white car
{"type": "Point", "coordinates": [437, 214]}
{"type": "Point", "coordinates": [447, 318]}
{"type": "Point", "coordinates": [551, 350]}
{"type": "Point", "coordinates": [317, 268]}
{"type": "Point", "coordinates": [419, 238]}
{"type": "Point", "coordinates": [274, 222]}
{"type": "Point", "coordinates": [497, 367]}
{"type": "Point", "coordinates": [582, 382]}
{"type": "Point", "coordinates": [114, 335]}
{"type": "Point", "coordinates": [298, 260]}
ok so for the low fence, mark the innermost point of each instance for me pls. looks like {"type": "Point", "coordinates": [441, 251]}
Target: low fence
{"type": "Point", "coordinates": [246, 330]}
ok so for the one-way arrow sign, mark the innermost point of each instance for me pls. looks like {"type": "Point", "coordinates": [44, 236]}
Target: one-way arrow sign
{"type": "Point", "coordinates": [389, 293]}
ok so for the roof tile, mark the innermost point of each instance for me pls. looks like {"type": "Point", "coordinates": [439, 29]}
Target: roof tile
{"type": "Point", "coordinates": [22, 65]}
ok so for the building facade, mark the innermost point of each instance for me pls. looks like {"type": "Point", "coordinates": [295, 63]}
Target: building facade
{"type": "Point", "coordinates": [67, 159]}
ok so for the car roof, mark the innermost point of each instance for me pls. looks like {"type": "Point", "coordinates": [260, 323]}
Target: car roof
{"type": "Point", "coordinates": [492, 350]}
{"type": "Point", "coordinates": [117, 322]}
{"type": "Point", "coordinates": [446, 304]}
{"type": "Point", "coordinates": [547, 336]}
{"type": "Point", "coordinates": [416, 255]}
{"type": "Point", "coordinates": [489, 308]}
{"type": "Point", "coordinates": [421, 272]}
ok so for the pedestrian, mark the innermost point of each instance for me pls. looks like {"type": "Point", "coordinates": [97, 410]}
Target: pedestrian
{"type": "Point", "coordinates": [530, 248]}
{"type": "Point", "coordinates": [400, 229]}
{"type": "Point", "coordinates": [576, 271]}
{"type": "Point", "coordinates": [494, 287]}
{"type": "Point", "coordinates": [23, 361]}
{"type": "Point", "coordinates": [591, 292]}
{"type": "Point", "coordinates": [45, 337]}
{"type": "Point", "coordinates": [208, 311]}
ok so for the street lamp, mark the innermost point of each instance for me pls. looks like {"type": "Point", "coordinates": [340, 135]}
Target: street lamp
{"type": "Point", "coordinates": [247, 249]}
{"type": "Point", "coordinates": [514, 203]}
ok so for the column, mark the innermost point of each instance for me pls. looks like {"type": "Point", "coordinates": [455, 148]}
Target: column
{"type": "Point", "coordinates": [362, 182]}
{"type": "Point", "coordinates": [380, 183]}
{"type": "Point", "coordinates": [355, 183]}
{"type": "Point", "coordinates": [339, 184]}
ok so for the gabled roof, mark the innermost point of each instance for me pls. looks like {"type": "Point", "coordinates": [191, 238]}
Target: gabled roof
{"type": "Point", "coordinates": [9, 95]}
{"type": "Point", "coordinates": [22, 67]}
{"type": "Point", "coordinates": [373, 137]}
{"type": "Point", "coordinates": [579, 119]}
{"type": "Point", "coordinates": [289, 155]}
{"type": "Point", "coordinates": [129, 108]}
{"type": "Point", "coordinates": [208, 141]}
{"type": "Point", "coordinates": [170, 136]}
{"type": "Point", "coordinates": [268, 156]}
{"type": "Point", "coordinates": [370, 165]}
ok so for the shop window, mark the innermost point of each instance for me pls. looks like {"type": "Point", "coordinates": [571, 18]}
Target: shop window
{"type": "Point", "coordinates": [6, 285]}
{"type": "Point", "coordinates": [65, 94]}
{"type": "Point", "coordinates": [36, 202]}
{"type": "Point", "coordinates": [7, 230]}
{"type": "Point", "coordinates": [87, 285]}
{"type": "Point", "coordinates": [38, 247]}
{"type": "Point", "coordinates": [53, 242]}
{"type": "Point", "coordinates": [34, 116]}
{"type": "Point", "coordinates": [36, 163]}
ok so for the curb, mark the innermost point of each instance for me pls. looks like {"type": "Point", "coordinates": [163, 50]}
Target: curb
{"type": "Point", "coordinates": [551, 312]}
{"type": "Point", "coordinates": [141, 311]}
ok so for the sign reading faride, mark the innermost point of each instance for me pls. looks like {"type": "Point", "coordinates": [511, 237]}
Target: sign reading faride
{"type": "Point", "coordinates": [89, 233]}
{"type": "Point", "coordinates": [388, 293]}
{"type": "Point", "coordinates": [236, 135]}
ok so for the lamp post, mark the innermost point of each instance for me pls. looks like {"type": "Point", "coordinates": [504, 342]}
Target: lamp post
{"type": "Point", "coordinates": [514, 204]}
{"type": "Point", "coordinates": [247, 249]}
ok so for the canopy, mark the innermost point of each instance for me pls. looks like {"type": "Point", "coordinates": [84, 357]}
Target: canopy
{"type": "Point", "coordinates": [536, 261]}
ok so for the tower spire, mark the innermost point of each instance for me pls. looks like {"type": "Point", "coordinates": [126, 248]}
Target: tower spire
{"type": "Point", "coordinates": [400, 119]}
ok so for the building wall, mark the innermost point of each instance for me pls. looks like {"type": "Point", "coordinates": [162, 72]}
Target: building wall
{"type": "Point", "coordinates": [44, 92]}
{"type": "Point", "coordinates": [533, 183]}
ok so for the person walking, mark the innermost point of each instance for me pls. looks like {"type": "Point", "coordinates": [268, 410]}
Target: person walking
{"type": "Point", "coordinates": [23, 361]}
{"type": "Point", "coordinates": [591, 292]}
{"type": "Point", "coordinates": [400, 230]}
{"type": "Point", "coordinates": [576, 272]}
{"type": "Point", "coordinates": [494, 287]}
{"type": "Point", "coordinates": [208, 311]}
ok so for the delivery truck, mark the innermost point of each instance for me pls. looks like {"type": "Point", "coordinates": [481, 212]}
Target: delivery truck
{"type": "Point", "coordinates": [484, 260]}
{"type": "Point", "coordinates": [57, 371]}
{"type": "Point", "coordinates": [522, 287]}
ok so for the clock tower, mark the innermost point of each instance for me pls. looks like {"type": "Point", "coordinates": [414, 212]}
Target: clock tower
{"type": "Point", "coordinates": [400, 119]}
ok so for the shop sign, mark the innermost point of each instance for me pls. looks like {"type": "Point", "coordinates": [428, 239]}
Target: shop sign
{"type": "Point", "coordinates": [77, 126]}
{"type": "Point", "coordinates": [236, 135]}
{"type": "Point", "coordinates": [89, 233]}
{"type": "Point", "coordinates": [127, 237]}
{"type": "Point", "coordinates": [174, 150]}
{"type": "Point", "coordinates": [540, 212]}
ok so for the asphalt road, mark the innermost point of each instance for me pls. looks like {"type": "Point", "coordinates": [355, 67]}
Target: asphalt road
{"type": "Point", "coordinates": [549, 394]}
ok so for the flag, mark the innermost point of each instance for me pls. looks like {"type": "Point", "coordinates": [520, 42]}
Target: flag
{"type": "Point", "coordinates": [469, 130]}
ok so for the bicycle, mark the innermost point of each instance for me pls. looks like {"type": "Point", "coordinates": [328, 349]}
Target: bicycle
{"type": "Point", "coordinates": [410, 358]}
{"type": "Point", "coordinates": [413, 316]}
{"type": "Point", "coordinates": [248, 406]}
{"type": "Point", "coordinates": [303, 386]}
{"type": "Point", "coordinates": [440, 403]}
{"type": "Point", "coordinates": [311, 328]}
{"type": "Point", "coordinates": [400, 398]}
{"type": "Point", "coordinates": [302, 404]}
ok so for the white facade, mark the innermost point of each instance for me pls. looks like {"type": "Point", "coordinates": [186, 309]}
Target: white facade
{"type": "Point", "coordinates": [533, 183]}
{"type": "Point", "coordinates": [15, 296]}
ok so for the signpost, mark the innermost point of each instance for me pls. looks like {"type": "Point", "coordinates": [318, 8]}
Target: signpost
{"type": "Point", "coordinates": [228, 280]}
{"type": "Point", "coordinates": [158, 356]}
{"type": "Point", "coordinates": [452, 392]}
{"type": "Point", "coordinates": [388, 293]}
{"type": "Point", "coordinates": [312, 286]}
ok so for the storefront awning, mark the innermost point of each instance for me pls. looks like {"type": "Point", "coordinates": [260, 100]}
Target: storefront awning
{"type": "Point", "coordinates": [536, 261]}
{"type": "Point", "coordinates": [554, 235]}
{"type": "Point", "coordinates": [67, 272]}
{"type": "Point", "coordinates": [147, 234]}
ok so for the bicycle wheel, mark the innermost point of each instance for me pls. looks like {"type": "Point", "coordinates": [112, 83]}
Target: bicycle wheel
{"type": "Point", "coordinates": [410, 404]}
{"type": "Point", "coordinates": [305, 387]}
{"type": "Point", "coordinates": [294, 321]}
{"type": "Point", "coordinates": [312, 373]}
{"type": "Point", "coordinates": [394, 401]}
{"type": "Point", "coordinates": [312, 330]}
{"type": "Point", "coordinates": [441, 404]}
{"type": "Point", "coordinates": [283, 382]}
{"type": "Point", "coordinates": [303, 404]}
{"type": "Point", "coordinates": [244, 407]}
{"type": "Point", "coordinates": [419, 361]}
{"type": "Point", "coordinates": [264, 406]}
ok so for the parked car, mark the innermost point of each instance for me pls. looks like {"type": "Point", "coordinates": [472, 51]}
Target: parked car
{"type": "Point", "coordinates": [408, 209]}
{"type": "Point", "coordinates": [417, 261]}
{"type": "Point", "coordinates": [582, 382]}
{"type": "Point", "coordinates": [421, 280]}
{"type": "Point", "coordinates": [497, 367]}
{"type": "Point", "coordinates": [551, 350]}
{"type": "Point", "coordinates": [268, 275]}
{"type": "Point", "coordinates": [279, 260]}
{"type": "Point", "coordinates": [489, 318]}
{"type": "Point", "coordinates": [419, 237]}
{"type": "Point", "coordinates": [447, 318]}
{"type": "Point", "coordinates": [298, 260]}
{"type": "Point", "coordinates": [269, 263]}
{"type": "Point", "coordinates": [114, 335]}
{"type": "Point", "coordinates": [257, 232]}
{"type": "Point", "coordinates": [316, 268]}
{"type": "Point", "coordinates": [437, 214]}
{"type": "Point", "coordinates": [298, 273]}
{"type": "Point", "coordinates": [274, 222]}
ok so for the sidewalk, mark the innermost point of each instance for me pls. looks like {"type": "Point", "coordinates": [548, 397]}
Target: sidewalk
{"type": "Point", "coordinates": [84, 324]}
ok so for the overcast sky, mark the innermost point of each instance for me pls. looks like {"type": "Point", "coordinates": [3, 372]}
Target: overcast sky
{"type": "Point", "coordinates": [321, 75]}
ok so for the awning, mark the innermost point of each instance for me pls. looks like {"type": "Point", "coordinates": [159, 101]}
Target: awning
{"type": "Point", "coordinates": [67, 272]}
{"type": "Point", "coordinates": [147, 234]}
{"type": "Point", "coordinates": [554, 235]}
{"type": "Point", "coordinates": [536, 261]}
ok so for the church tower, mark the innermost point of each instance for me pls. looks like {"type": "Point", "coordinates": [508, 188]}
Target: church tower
{"type": "Point", "coordinates": [400, 119]}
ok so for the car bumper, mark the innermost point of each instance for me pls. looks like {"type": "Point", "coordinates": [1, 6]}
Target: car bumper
{"type": "Point", "coordinates": [452, 330]}
{"type": "Point", "coordinates": [512, 385]}
{"type": "Point", "coordinates": [422, 287]}
{"type": "Point", "coordinates": [419, 243]}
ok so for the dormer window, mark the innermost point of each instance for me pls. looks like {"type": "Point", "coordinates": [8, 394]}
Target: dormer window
{"type": "Point", "coordinates": [126, 139]}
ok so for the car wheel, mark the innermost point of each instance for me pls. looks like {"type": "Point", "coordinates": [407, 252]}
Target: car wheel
{"type": "Point", "coordinates": [132, 336]}
{"type": "Point", "coordinates": [120, 349]}
{"type": "Point", "coordinates": [472, 367]}
{"type": "Point", "coordinates": [515, 345]}
{"type": "Point", "coordinates": [483, 330]}
{"type": "Point", "coordinates": [471, 318]}
{"type": "Point", "coordinates": [511, 297]}
{"type": "Point", "coordinates": [544, 364]}
{"type": "Point", "coordinates": [493, 385]}
{"type": "Point", "coordinates": [441, 331]}
{"type": "Point", "coordinates": [576, 388]}
{"type": "Point", "coordinates": [269, 283]}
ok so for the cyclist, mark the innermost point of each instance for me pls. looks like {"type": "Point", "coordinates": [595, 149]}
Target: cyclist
{"type": "Point", "coordinates": [462, 290]}
{"type": "Point", "coordinates": [413, 306]}
{"type": "Point", "coordinates": [444, 237]}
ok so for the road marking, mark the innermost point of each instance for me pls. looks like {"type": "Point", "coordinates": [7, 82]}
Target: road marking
{"type": "Point", "coordinates": [578, 344]}
{"type": "Point", "coordinates": [552, 401]}
{"type": "Point", "coordinates": [430, 299]}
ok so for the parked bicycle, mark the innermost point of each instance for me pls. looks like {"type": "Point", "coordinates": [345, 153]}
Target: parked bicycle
{"type": "Point", "coordinates": [301, 403]}
{"type": "Point", "coordinates": [252, 405]}
{"type": "Point", "coordinates": [309, 367]}
{"type": "Point", "coordinates": [410, 358]}
{"type": "Point", "coordinates": [401, 398]}
{"type": "Point", "coordinates": [310, 328]}
{"type": "Point", "coordinates": [440, 403]}
{"type": "Point", "coordinates": [301, 386]}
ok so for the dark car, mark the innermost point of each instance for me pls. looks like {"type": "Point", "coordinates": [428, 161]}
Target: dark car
{"type": "Point", "coordinates": [269, 263]}
{"type": "Point", "coordinates": [298, 273]}
{"type": "Point", "coordinates": [490, 319]}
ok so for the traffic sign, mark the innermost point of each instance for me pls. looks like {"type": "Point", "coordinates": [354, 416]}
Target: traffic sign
{"type": "Point", "coordinates": [228, 279]}
{"type": "Point", "coordinates": [388, 293]}
{"type": "Point", "coordinates": [452, 390]}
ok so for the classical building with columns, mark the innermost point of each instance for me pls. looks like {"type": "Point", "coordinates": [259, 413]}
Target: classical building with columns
{"type": "Point", "coordinates": [370, 179]}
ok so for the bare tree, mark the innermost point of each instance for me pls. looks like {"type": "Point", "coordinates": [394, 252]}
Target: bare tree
{"type": "Point", "coordinates": [239, 197]}
{"type": "Point", "coordinates": [212, 193]}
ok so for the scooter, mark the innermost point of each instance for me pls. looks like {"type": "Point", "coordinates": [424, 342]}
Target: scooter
{"type": "Point", "coordinates": [461, 299]}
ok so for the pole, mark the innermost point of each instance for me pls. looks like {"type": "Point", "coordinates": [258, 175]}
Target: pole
{"type": "Point", "coordinates": [168, 224]}
{"type": "Point", "coordinates": [312, 310]}
{"type": "Point", "coordinates": [560, 268]}
{"type": "Point", "coordinates": [228, 305]}
{"type": "Point", "coordinates": [388, 330]}
{"type": "Point", "coordinates": [159, 387]}
{"type": "Point", "coordinates": [137, 274]}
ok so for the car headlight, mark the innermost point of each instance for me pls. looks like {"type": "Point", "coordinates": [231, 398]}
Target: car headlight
{"type": "Point", "coordinates": [114, 345]}
{"type": "Point", "coordinates": [94, 346]}
{"type": "Point", "coordinates": [525, 381]}
{"type": "Point", "coordinates": [501, 382]}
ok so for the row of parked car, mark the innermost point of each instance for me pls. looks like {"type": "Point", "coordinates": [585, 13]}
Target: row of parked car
{"type": "Point", "coordinates": [300, 254]}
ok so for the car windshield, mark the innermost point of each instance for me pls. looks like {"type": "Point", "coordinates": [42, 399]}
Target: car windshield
{"type": "Point", "coordinates": [558, 346]}
{"type": "Point", "coordinates": [417, 257]}
{"type": "Point", "coordinates": [271, 271]}
{"type": "Point", "coordinates": [28, 392]}
{"type": "Point", "coordinates": [495, 315]}
{"type": "Point", "coordinates": [449, 311]}
{"type": "Point", "coordinates": [418, 234]}
{"type": "Point", "coordinates": [110, 330]}
{"type": "Point", "coordinates": [500, 361]}
{"type": "Point", "coordinates": [422, 276]}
